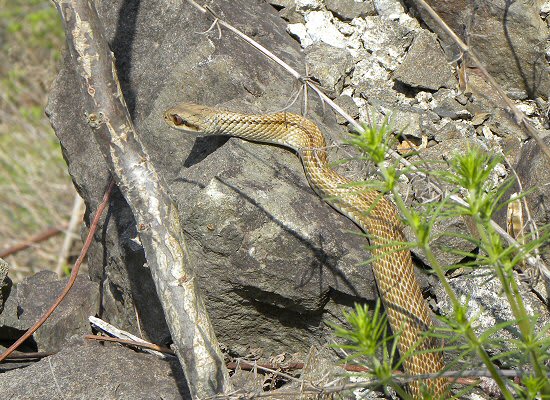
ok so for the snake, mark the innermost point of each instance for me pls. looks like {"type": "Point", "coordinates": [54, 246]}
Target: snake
{"type": "Point", "coordinates": [398, 287]}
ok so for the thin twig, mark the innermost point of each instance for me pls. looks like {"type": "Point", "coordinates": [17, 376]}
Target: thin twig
{"type": "Point", "coordinates": [270, 370]}
{"type": "Point", "coordinates": [40, 237]}
{"type": "Point", "coordinates": [72, 279]}
{"type": "Point", "coordinates": [123, 335]}
{"type": "Point", "coordinates": [141, 344]}
{"type": "Point", "coordinates": [530, 222]}
{"type": "Point", "coordinates": [76, 218]}
{"type": "Point", "coordinates": [55, 379]}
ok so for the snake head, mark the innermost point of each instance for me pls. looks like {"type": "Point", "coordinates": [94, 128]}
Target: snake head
{"type": "Point", "coordinates": [189, 117]}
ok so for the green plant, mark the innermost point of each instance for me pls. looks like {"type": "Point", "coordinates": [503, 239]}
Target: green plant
{"type": "Point", "coordinates": [467, 174]}
{"type": "Point", "coordinates": [367, 340]}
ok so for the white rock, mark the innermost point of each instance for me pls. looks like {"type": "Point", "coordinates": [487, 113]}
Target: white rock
{"type": "Point", "coordinates": [409, 22]}
{"type": "Point", "coordinates": [321, 29]}
{"type": "Point", "coordinates": [300, 31]}
{"type": "Point", "coordinates": [358, 24]}
{"type": "Point", "coordinates": [487, 133]}
{"type": "Point", "coordinates": [353, 39]}
{"type": "Point", "coordinates": [528, 108]}
{"type": "Point", "coordinates": [475, 396]}
{"type": "Point", "coordinates": [424, 97]}
{"type": "Point", "coordinates": [500, 170]}
{"type": "Point", "coordinates": [348, 91]}
{"type": "Point", "coordinates": [386, 40]}
{"type": "Point", "coordinates": [308, 5]}
{"type": "Point", "coordinates": [344, 28]}
{"type": "Point", "coordinates": [378, 33]}
{"type": "Point", "coordinates": [389, 8]}
{"type": "Point", "coordinates": [424, 100]}
{"type": "Point", "coordinates": [367, 70]}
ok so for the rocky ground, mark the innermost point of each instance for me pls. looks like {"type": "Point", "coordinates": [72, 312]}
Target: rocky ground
{"type": "Point", "coordinates": [274, 261]}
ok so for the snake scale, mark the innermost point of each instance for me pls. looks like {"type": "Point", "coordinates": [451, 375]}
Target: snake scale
{"type": "Point", "coordinates": [398, 286]}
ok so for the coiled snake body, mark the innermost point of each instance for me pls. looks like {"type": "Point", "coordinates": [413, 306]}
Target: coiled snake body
{"type": "Point", "coordinates": [407, 311]}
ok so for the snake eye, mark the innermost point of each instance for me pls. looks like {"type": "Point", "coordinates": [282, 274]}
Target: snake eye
{"type": "Point", "coordinates": [177, 120]}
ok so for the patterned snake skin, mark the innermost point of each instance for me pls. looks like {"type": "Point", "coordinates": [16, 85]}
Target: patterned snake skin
{"type": "Point", "coordinates": [407, 311]}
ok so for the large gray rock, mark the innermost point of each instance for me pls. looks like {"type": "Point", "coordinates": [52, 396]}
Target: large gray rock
{"type": "Point", "coordinates": [5, 283]}
{"type": "Point", "coordinates": [329, 66]}
{"type": "Point", "coordinates": [446, 105]}
{"type": "Point", "coordinates": [509, 37]}
{"type": "Point", "coordinates": [273, 260]}
{"type": "Point", "coordinates": [35, 295]}
{"type": "Point", "coordinates": [425, 65]}
{"type": "Point", "coordinates": [533, 169]}
{"type": "Point", "coordinates": [350, 9]}
{"type": "Point", "coordinates": [95, 371]}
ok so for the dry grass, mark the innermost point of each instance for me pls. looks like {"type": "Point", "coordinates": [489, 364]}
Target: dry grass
{"type": "Point", "coordinates": [35, 189]}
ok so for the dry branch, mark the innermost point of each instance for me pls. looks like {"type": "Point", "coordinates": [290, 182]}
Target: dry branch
{"type": "Point", "coordinates": [151, 347]}
{"type": "Point", "coordinates": [124, 336]}
{"type": "Point", "coordinates": [40, 237]}
{"type": "Point", "coordinates": [74, 222]}
{"type": "Point", "coordinates": [155, 213]}
{"type": "Point", "coordinates": [72, 278]}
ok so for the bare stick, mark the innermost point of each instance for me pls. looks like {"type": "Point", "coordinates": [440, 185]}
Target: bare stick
{"type": "Point", "coordinates": [42, 236]}
{"type": "Point", "coordinates": [530, 222]}
{"type": "Point", "coordinates": [145, 192]}
{"type": "Point", "coordinates": [70, 282]}
{"type": "Point", "coordinates": [119, 333]}
{"type": "Point", "coordinates": [155, 348]}
{"type": "Point", "coordinates": [76, 218]}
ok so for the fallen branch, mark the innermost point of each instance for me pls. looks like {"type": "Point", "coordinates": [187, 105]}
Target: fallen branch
{"type": "Point", "coordinates": [250, 366]}
{"type": "Point", "coordinates": [320, 390]}
{"type": "Point", "coordinates": [454, 376]}
{"type": "Point", "coordinates": [74, 222]}
{"type": "Point", "coordinates": [140, 344]}
{"type": "Point", "coordinates": [40, 237]}
{"type": "Point", "coordinates": [72, 279]}
{"type": "Point", "coordinates": [155, 213]}
{"type": "Point", "coordinates": [121, 336]}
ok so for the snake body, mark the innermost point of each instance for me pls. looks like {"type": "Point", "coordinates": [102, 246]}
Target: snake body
{"type": "Point", "coordinates": [398, 286]}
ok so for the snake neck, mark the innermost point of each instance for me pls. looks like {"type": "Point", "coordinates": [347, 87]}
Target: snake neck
{"type": "Point", "coordinates": [285, 129]}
